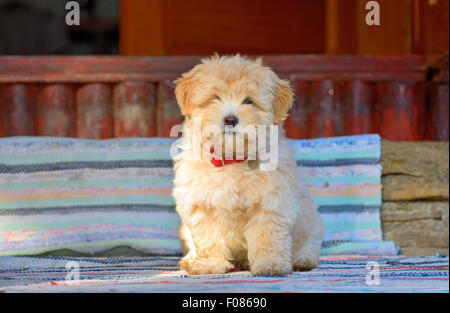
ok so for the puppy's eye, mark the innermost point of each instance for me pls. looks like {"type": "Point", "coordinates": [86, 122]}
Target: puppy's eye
{"type": "Point", "coordinates": [248, 101]}
{"type": "Point", "coordinates": [216, 97]}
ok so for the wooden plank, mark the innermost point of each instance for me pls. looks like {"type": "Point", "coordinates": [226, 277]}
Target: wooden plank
{"type": "Point", "coordinates": [326, 111]}
{"type": "Point", "coordinates": [167, 110]}
{"type": "Point", "coordinates": [297, 123]}
{"type": "Point", "coordinates": [350, 78]}
{"type": "Point", "coordinates": [411, 77]}
{"type": "Point", "coordinates": [341, 27]}
{"type": "Point", "coordinates": [64, 69]}
{"type": "Point", "coordinates": [55, 114]}
{"type": "Point", "coordinates": [95, 64]}
{"type": "Point", "coordinates": [134, 109]}
{"type": "Point", "coordinates": [438, 66]}
{"type": "Point", "coordinates": [179, 27]}
{"type": "Point", "coordinates": [155, 77]}
{"type": "Point", "coordinates": [441, 76]}
{"type": "Point", "coordinates": [50, 78]}
{"type": "Point", "coordinates": [431, 26]}
{"type": "Point", "coordinates": [94, 111]}
{"type": "Point", "coordinates": [10, 65]}
{"type": "Point", "coordinates": [17, 109]}
{"type": "Point", "coordinates": [358, 107]}
{"type": "Point", "coordinates": [400, 111]}
{"type": "Point", "coordinates": [437, 115]}
{"type": "Point", "coordinates": [141, 19]}
{"type": "Point", "coordinates": [394, 34]}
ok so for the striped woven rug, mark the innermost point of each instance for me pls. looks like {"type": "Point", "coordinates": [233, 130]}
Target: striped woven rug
{"type": "Point", "coordinates": [90, 196]}
{"type": "Point", "coordinates": [160, 274]}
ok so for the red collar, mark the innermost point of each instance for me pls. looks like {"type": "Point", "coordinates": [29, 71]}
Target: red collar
{"type": "Point", "coordinates": [220, 162]}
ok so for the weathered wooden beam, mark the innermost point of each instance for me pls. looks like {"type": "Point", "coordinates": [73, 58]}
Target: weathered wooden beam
{"type": "Point", "coordinates": [400, 111]}
{"type": "Point", "coordinates": [358, 107]}
{"type": "Point", "coordinates": [168, 112]}
{"type": "Point", "coordinates": [110, 69]}
{"type": "Point", "coordinates": [134, 109]}
{"type": "Point", "coordinates": [94, 111]}
{"type": "Point", "coordinates": [396, 108]}
{"type": "Point", "coordinates": [55, 114]}
{"type": "Point", "coordinates": [437, 112]}
{"type": "Point", "coordinates": [296, 125]}
{"type": "Point", "coordinates": [326, 115]}
{"type": "Point", "coordinates": [17, 109]}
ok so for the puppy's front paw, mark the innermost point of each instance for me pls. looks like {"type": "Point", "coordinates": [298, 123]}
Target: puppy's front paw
{"type": "Point", "coordinates": [271, 267]}
{"type": "Point", "coordinates": [201, 266]}
{"type": "Point", "coordinates": [306, 263]}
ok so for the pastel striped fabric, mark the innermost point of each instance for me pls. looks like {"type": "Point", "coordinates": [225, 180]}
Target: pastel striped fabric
{"type": "Point", "coordinates": [161, 274]}
{"type": "Point", "coordinates": [90, 196]}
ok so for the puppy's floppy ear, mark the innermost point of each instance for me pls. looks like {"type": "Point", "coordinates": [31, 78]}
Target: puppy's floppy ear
{"type": "Point", "coordinates": [283, 99]}
{"type": "Point", "coordinates": [183, 92]}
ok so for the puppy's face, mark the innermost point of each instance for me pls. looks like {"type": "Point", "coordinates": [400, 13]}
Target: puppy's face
{"type": "Point", "coordinates": [233, 92]}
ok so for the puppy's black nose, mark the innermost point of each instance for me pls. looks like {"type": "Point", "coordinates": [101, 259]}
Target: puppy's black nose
{"type": "Point", "coordinates": [230, 120]}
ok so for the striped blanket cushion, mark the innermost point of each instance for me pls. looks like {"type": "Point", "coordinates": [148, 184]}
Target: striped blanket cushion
{"type": "Point", "coordinates": [90, 196]}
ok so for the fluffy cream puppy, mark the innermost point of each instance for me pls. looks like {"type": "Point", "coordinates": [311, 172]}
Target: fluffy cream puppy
{"type": "Point", "coordinates": [237, 215]}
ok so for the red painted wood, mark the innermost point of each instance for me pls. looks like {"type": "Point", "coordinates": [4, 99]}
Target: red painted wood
{"type": "Point", "coordinates": [180, 27]}
{"type": "Point", "coordinates": [326, 113]}
{"type": "Point", "coordinates": [400, 111]}
{"type": "Point", "coordinates": [342, 63]}
{"type": "Point", "coordinates": [94, 111]}
{"type": "Point", "coordinates": [297, 123]}
{"type": "Point", "coordinates": [134, 110]}
{"type": "Point", "coordinates": [55, 114]}
{"type": "Point", "coordinates": [110, 69]}
{"type": "Point", "coordinates": [167, 110]}
{"type": "Point", "coordinates": [399, 95]}
{"type": "Point", "coordinates": [358, 108]}
{"type": "Point", "coordinates": [407, 77]}
{"type": "Point", "coordinates": [68, 77]}
{"type": "Point", "coordinates": [442, 76]}
{"type": "Point", "coordinates": [437, 124]}
{"type": "Point", "coordinates": [17, 109]}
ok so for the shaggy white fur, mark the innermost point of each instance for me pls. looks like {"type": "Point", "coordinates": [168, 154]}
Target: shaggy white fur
{"type": "Point", "coordinates": [238, 215]}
